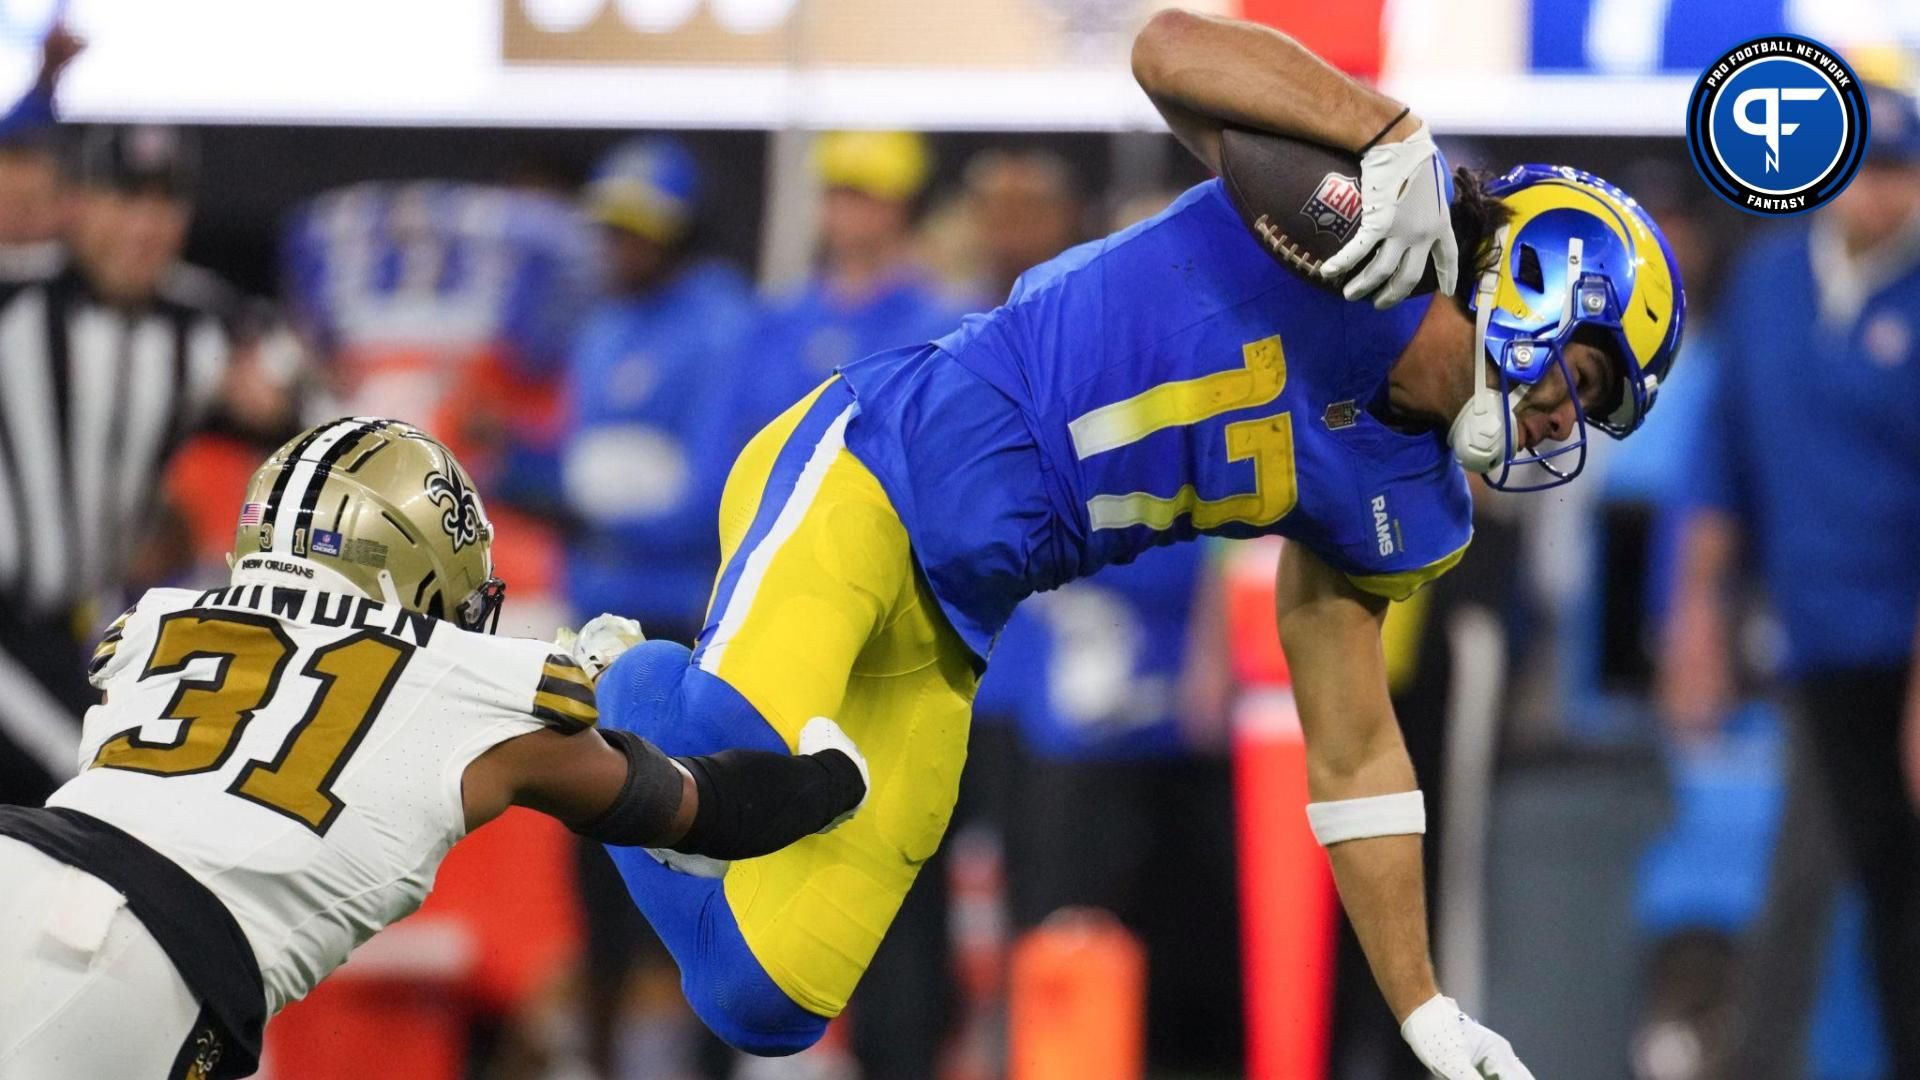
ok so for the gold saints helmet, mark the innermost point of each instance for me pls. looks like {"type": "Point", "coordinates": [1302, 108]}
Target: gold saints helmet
{"type": "Point", "coordinates": [382, 505]}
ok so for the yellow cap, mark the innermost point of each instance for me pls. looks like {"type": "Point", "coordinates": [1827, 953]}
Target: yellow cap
{"type": "Point", "coordinates": [884, 164]}
{"type": "Point", "coordinates": [628, 204]}
{"type": "Point", "coordinates": [1889, 65]}
{"type": "Point", "coordinates": [646, 186]}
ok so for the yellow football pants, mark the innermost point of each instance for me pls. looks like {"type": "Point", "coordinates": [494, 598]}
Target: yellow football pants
{"type": "Point", "coordinates": [819, 610]}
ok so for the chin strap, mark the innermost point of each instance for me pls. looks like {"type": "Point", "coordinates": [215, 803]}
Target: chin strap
{"type": "Point", "coordinates": [1481, 435]}
{"type": "Point", "coordinates": [388, 592]}
{"type": "Point", "coordinates": [1479, 432]}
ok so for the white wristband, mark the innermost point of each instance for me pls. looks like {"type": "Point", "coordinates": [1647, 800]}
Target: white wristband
{"type": "Point", "coordinates": [1398, 814]}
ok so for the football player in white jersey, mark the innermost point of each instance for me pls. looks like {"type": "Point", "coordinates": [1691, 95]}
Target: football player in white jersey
{"type": "Point", "coordinates": [278, 766]}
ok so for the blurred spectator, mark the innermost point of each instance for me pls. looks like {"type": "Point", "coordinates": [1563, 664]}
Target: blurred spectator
{"type": "Point", "coordinates": [30, 185]}
{"type": "Point", "coordinates": [1113, 808]}
{"type": "Point", "coordinates": [866, 294]}
{"type": "Point", "coordinates": [1095, 674]}
{"type": "Point", "coordinates": [110, 354]}
{"type": "Point", "coordinates": [404, 286]}
{"type": "Point", "coordinates": [441, 302]}
{"type": "Point", "coordinates": [208, 477]}
{"type": "Point", "coordinates": [1807, 387]}
{"type": "Point", "coordinates": [30, 180]}
{"type": "Point", "coordinates": [1025, 209]}
{"type": "Point", "coordinates": [654, 386]}
{"type": "Point", "coordinates": [452, 305]}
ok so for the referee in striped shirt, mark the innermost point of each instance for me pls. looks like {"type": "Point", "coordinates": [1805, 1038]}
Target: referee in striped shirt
{"type": "Point", "coordinates": [111, 351]}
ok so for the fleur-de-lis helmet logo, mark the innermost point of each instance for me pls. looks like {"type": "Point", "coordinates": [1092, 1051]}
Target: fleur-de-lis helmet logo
{"type": "Point", "coordinates": [460, 511]}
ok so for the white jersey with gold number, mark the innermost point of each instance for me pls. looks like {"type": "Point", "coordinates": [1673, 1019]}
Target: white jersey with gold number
{"type": "Point", "coordinates": [301, 753]}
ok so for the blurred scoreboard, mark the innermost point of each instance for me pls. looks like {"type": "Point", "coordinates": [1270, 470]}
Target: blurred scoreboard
{"type": "Point", "coordinates": [1578, 66]}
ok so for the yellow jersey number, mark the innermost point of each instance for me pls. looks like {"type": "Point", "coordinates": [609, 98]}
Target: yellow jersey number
{"type": "Point", "coordinates": [1267, 441]}
{"type": "Point", "coordinates": [355, 674]}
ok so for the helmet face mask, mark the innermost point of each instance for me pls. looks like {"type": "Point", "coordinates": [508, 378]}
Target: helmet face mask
{"type": "Point", "coordinates": [480, 611]}
{"type": "Point", "coordinates": [1579, 255]}
{"type": "Point", "coordinates": [381, 507]}
{"type": "Point", "coordinates": [1552, 459]}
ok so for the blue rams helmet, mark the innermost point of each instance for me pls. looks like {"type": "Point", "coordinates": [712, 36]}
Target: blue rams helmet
{"type": "Point", "coordinates": [1576, 254]}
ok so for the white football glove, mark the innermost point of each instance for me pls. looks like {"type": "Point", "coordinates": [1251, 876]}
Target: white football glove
{"type": "Point", "coordinates": [1404, 221]}
{"type": "Point", "coordinates": [1453, 1047]}
{"type": "Point", "coordinates": [820, 734]}
{"type": "Point", "coordinates": [600, 642]}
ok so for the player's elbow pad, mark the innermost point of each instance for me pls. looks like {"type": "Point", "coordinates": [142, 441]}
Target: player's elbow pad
{"type": "Point", "coordinates": [755, 802]}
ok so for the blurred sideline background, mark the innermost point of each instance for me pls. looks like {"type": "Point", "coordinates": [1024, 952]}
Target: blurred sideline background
{"type": "Point", "coordinates": [594, 244]}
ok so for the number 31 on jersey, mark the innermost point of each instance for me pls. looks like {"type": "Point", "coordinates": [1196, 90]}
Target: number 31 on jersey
{"type": "Point", "coordinates": [355, 675]}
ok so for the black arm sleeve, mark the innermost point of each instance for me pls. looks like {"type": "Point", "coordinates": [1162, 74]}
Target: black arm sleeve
{"type": "Point", "coordinates": [753, 802]}
{"type": "Point", "coordinates": [645, 808]}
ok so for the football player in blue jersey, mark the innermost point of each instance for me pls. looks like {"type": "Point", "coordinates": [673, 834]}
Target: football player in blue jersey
{"type": "Point", "coordinates": [1168, 381]}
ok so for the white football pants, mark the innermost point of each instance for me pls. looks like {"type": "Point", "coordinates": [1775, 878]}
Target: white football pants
{"type": "Point", "coordinates": [85, 991]}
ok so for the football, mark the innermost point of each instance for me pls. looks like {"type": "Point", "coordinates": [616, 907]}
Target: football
{"type": "Point", "coordinates": [1300, 199]}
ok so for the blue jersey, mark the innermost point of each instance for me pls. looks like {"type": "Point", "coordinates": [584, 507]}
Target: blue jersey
{"type": "Point", "coordinates": [1168, 381]}
{"type": "Point", "coordinates": [654, 385]}
{"type": "Point", "coordinates": [1091, 671]}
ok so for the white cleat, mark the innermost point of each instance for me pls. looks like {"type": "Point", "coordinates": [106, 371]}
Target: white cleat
{"type": "Point", "coordinates": [821, 733]}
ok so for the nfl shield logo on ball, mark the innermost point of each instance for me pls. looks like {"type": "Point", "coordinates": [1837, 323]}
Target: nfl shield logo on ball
{"type": "Point", "coordinates": [1335, 205]}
